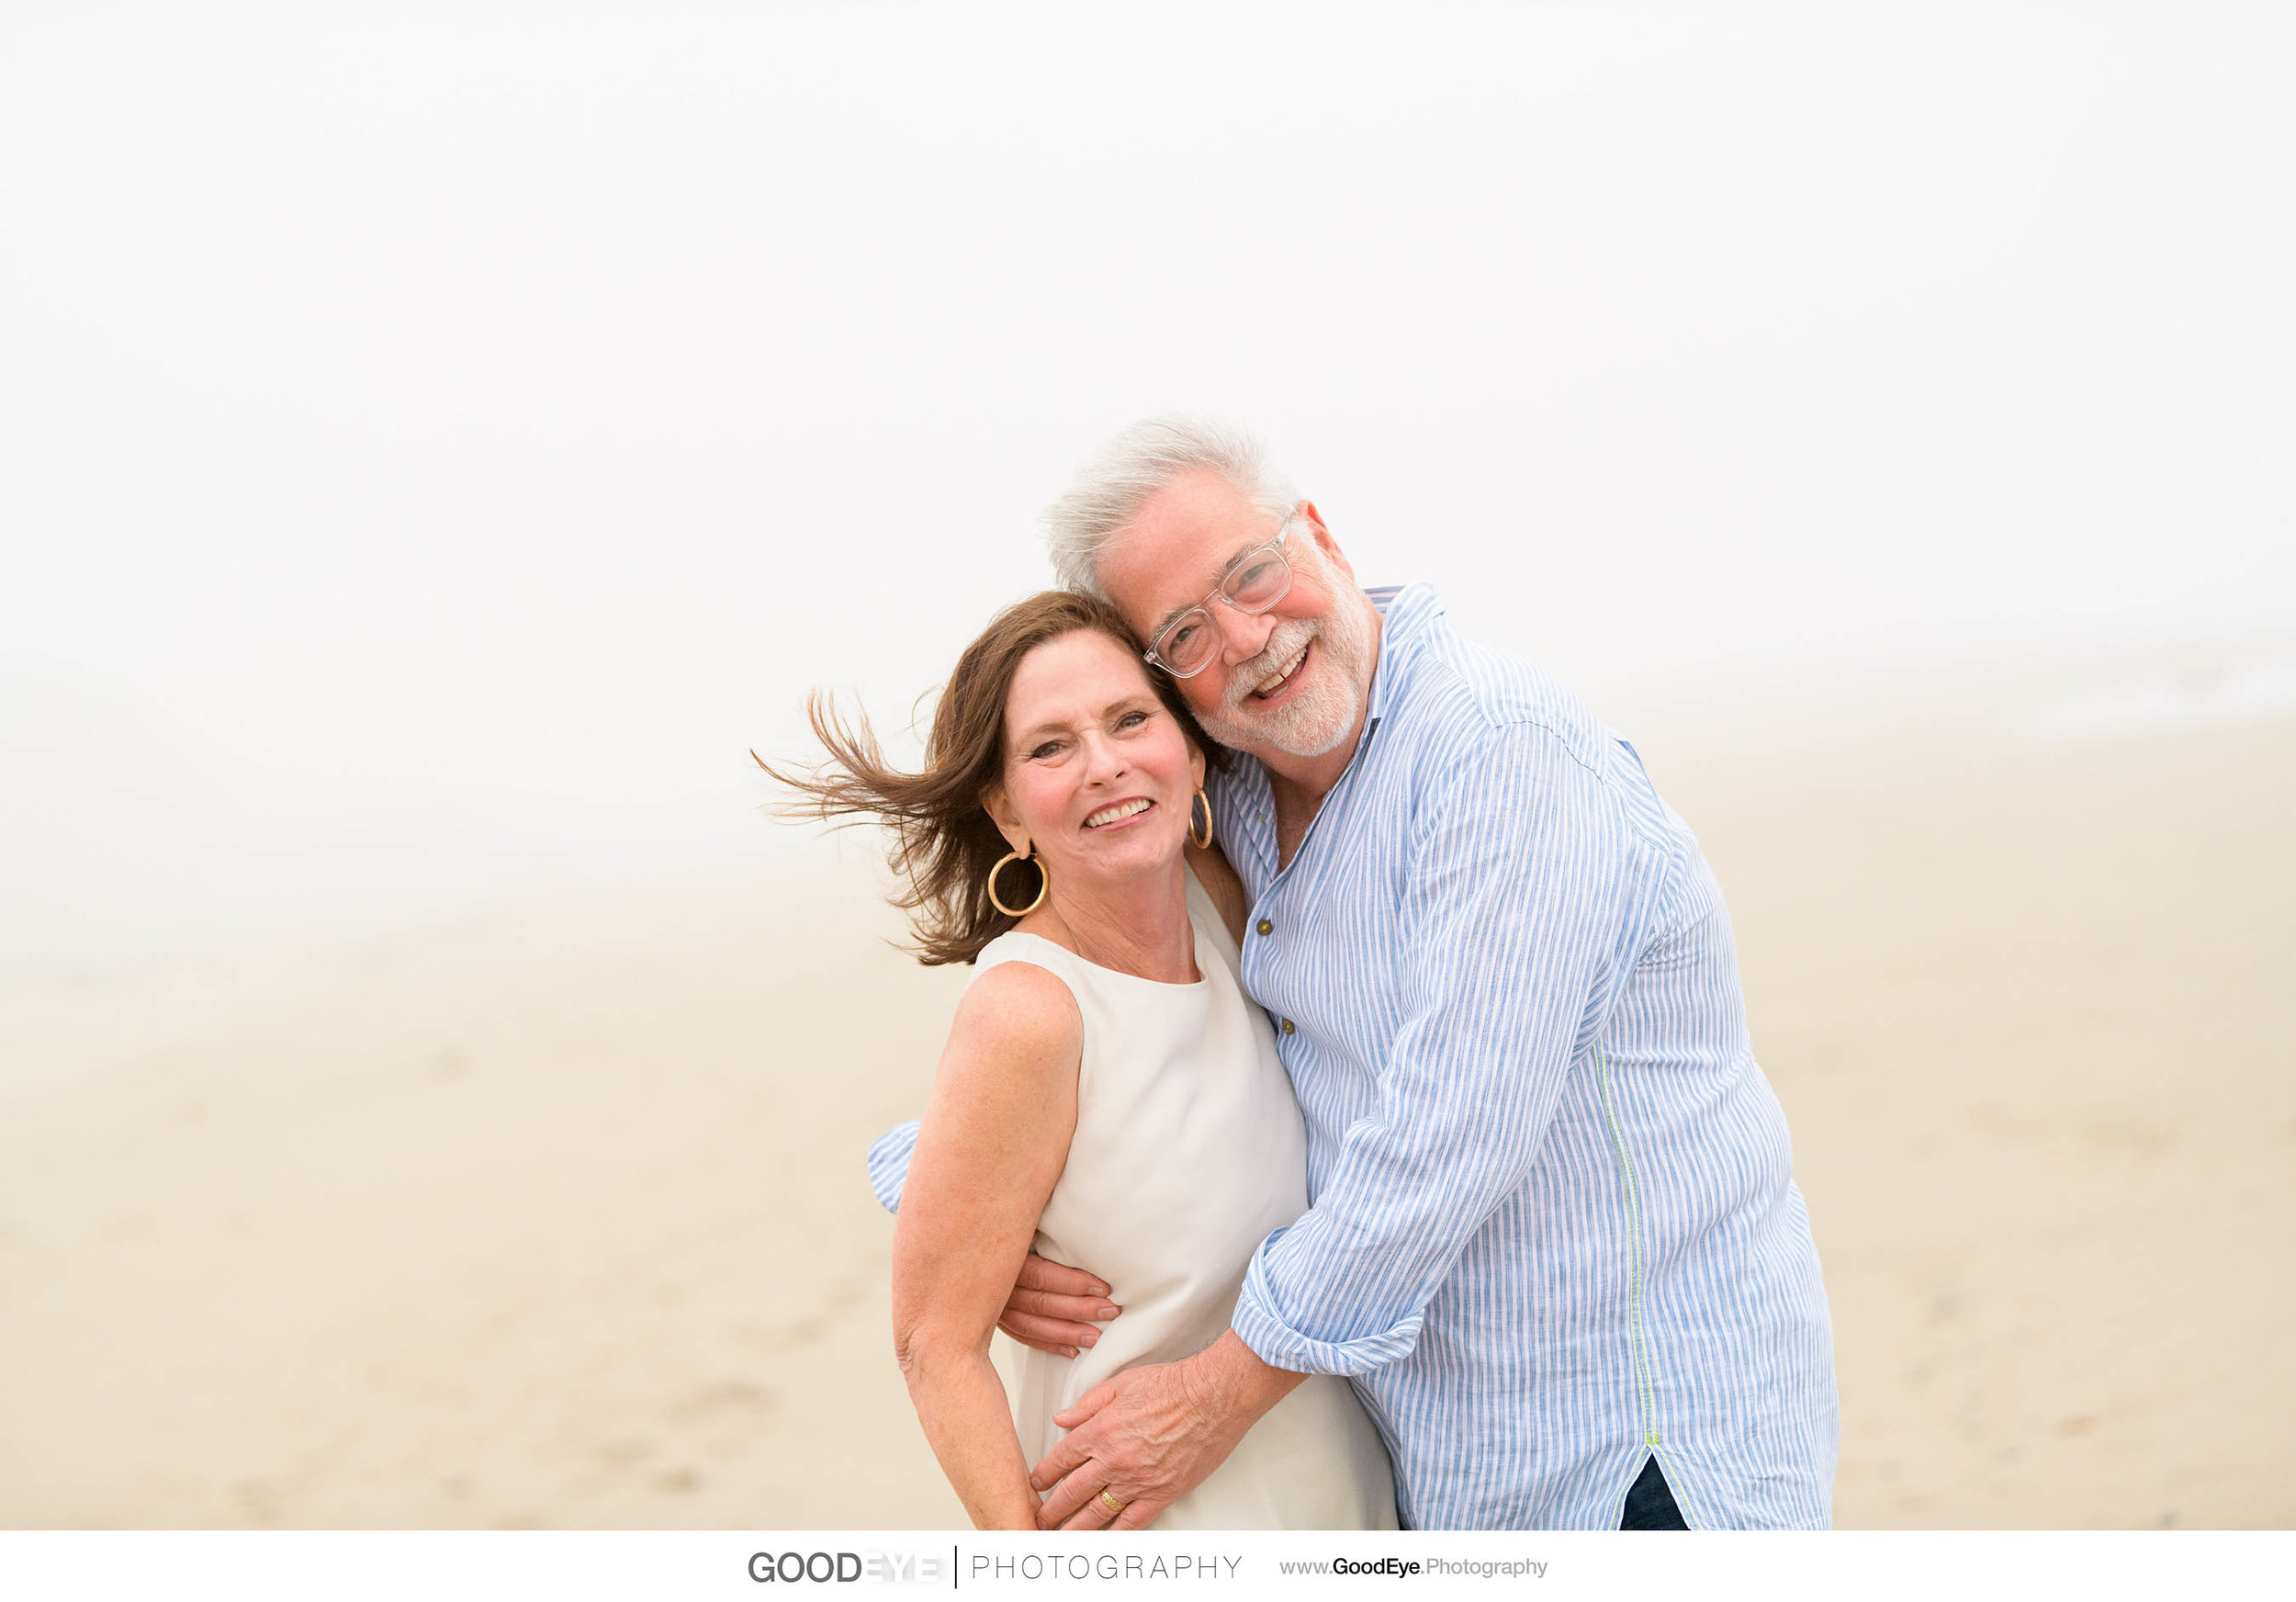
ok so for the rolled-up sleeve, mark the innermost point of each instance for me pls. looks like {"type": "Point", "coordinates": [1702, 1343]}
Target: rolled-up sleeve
{"type": "Point", "coordinates": [889, 1163]}
{"type": "Point", "coordinates": [1515, 905]}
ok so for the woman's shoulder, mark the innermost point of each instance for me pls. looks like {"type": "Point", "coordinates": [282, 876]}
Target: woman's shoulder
{"type": "Point", "coordinates": [1019, 1011]}
{"type": "Point", "coordinates": [1223, 884]}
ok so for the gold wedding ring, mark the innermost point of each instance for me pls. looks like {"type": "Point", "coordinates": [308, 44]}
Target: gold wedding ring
{"type": "Point", "coordinates": [1112, 1504]}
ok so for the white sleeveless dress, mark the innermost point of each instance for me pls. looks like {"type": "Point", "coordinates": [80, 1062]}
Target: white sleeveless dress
{"type": "Point", "coordinates": [1188, 1151]}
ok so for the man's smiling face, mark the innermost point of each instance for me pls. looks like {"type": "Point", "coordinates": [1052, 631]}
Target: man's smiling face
{"type": "Point", "coordinates": [1289, 681]}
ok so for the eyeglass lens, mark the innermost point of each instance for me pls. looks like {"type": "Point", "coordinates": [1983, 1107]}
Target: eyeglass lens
{"type": "Point", "coordinates": [1255, 586]}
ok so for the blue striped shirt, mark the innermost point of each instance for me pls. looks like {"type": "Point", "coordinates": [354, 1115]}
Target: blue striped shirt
{"type": "Point", "coordinates": [1553, 1228]}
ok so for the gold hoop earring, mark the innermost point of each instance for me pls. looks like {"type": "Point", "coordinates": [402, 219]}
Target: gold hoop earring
{"type": "Point", "coordinates": [1205, 843]}
{"type": "Point", "coordinates": [1043, 883]}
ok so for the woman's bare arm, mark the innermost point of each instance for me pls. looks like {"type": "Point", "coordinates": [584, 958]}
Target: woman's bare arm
{"type": "Point", "coordinates": [994, 1142]}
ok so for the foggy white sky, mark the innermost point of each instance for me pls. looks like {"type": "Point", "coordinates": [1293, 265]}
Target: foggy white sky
{"type": "Point", "coordinates": [434, 441]}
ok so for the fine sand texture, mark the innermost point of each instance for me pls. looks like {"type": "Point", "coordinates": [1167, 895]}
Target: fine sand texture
{"type": "Point", "coordinates": [557, 1217]}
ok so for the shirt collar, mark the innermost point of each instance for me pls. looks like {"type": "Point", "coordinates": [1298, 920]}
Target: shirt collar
{"type": "Point", "coordinates": [1407, 615]}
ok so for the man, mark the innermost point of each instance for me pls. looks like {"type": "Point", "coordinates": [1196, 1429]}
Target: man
{"type": "Point", "coordinates": [1553, 1237]}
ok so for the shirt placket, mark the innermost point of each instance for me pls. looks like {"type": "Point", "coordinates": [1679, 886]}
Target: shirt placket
{"type": "Point", "coordinates": [1277, 914]}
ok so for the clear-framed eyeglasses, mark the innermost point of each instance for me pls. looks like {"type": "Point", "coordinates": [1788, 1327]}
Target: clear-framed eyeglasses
{"type": "Point", "coordinates": [1253, 582]}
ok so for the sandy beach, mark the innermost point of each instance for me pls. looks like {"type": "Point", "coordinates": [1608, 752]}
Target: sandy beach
{"type": "Point", "coordinates": [556, 1217]}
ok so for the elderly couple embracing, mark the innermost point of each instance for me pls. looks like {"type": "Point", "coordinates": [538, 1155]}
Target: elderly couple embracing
{"type": "Point", "coordinates": [1351, 1113]}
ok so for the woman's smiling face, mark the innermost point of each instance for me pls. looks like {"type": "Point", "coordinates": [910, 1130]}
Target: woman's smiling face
{"type": "Point", "coordinates": [1098, 776]}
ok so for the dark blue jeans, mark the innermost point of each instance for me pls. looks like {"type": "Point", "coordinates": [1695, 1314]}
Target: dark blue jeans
{"type": "Point", "coordinates": [1651, 1505]}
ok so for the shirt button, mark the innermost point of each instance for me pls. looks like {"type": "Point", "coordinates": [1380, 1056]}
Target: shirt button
{"type": "Point", "coordinates": [1288, 1026]}
{"type": "Point", "coordinates": [1266, 927]}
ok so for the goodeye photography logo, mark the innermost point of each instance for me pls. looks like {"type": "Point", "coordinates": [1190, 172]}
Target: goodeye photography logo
{"type": "Point", "coordinates": [847, 1567]}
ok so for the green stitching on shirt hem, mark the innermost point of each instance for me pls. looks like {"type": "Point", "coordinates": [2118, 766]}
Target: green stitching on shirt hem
{"type": "Point", "coordinates": [1647, 1393]}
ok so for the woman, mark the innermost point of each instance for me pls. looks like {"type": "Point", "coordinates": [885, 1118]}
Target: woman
{"type": "Point", "coordinates": [1109, 1096]}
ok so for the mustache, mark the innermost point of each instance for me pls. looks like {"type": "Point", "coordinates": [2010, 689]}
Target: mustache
{"type": "Point", "coordinates": [1289, 635]}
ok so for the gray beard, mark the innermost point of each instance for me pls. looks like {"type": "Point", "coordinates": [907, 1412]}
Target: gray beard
{"type": "Point", "coordinates": [1314, 722]}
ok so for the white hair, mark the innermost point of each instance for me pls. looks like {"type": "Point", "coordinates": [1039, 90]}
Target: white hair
{"type": "Point", "coordinates": [1123, 475]}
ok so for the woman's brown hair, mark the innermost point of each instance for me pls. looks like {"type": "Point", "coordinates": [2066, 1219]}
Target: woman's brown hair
{"type": "Point", "coordinates": [943, 841]}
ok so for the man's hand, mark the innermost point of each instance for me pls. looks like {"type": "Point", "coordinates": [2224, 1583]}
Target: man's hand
{"type": "Point", "coordinates": [1143, 1438]}
{"type": "Point", "coordinates": [1053, 1307]}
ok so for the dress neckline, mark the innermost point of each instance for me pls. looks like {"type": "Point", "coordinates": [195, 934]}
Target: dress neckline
{"type": "Point", "coordinates": [1196, 948]}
